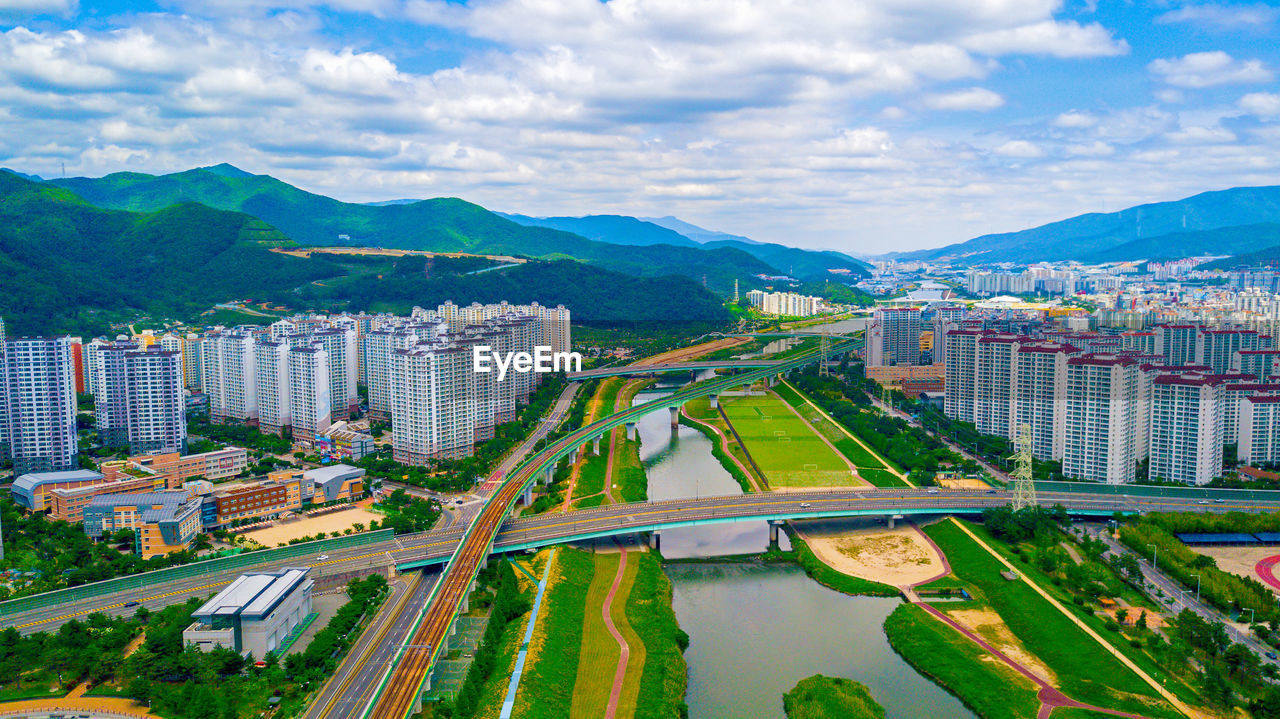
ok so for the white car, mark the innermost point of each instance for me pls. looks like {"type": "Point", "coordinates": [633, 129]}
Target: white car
{"type": "Point", "coordinates": [805, 505]}
{"type": "Point", "coordinates": [933, 491]}
{"type": "Point", "coordinates": [322, 557]}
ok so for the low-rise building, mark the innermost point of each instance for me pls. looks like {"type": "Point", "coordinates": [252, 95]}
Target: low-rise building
{"type": "Point", "coordinates": [253, 615]}
{"type": "Point", "coordinates": [67, 504]}
{"type": "Point", "coordinates": [31, 491]}
{"type": "Point", "coordinates": [277, 494]}
{"type": "Point", "coordinates": [162, 522]}
{"type": "Point", "coordinates": [336, 482]}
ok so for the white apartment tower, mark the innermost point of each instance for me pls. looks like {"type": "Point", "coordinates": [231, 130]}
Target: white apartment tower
{"type": "Point", "coordinates": [431, 414]}
{"type": "Point", "coordinates": [1258, 436]}
{"type": "Point", "coordinates": [1216, 349]}
{"type": "Point", "coordinates": [271, 359]}
{"type": "Point", "coordinates": [110, 397]}
{"type": "Point", "coordinates": [1177, 343]}
{"type": "Point", "coordinates": [38, 403]}
{"type": "Point", "coordinates": [1101, 421]}
{"type": "Point", "coordinates": [191, 363]}
{"type": "Point", "coordinates": [310, 405]}
{"type": "Point", "coordinates": [1041, 396]}
{"type": "Point", "coordinates": [344, 369]}
{"type": "Point", "coordinates": [961, 371]}
{"type": "Point", "coordinates": [1186, 432]}
{"type": "Point", "coordinates": [995, 384]}
{"type": "Point", "coordinates": [230, 376]}
{"type": "Point", "coordinates": [157, 417]}
{"type": "Point", "coordinates": [1261, 363]}
{"type": "Point", "coordinates": [893, 338]}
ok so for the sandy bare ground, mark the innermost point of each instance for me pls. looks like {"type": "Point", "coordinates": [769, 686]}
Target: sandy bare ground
{"type": "Point", "coordinates": [988, 625]}
{"type": "Point", "coordinates": [898, 557]}
{"type": "Point", "coordinates": [686, 354]}
{"type": "Point", "coordinates": [1240, 560]}
{"type": "Point", "coordinates": [327, 523]}
{"type": "Point", "coordinates": [963, 483]}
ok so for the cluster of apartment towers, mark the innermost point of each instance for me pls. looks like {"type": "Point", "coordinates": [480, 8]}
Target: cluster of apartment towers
{"type": "Point", "coordinates": [299, 374]}
{"type": "Point", "coordinates": [1175, 395]}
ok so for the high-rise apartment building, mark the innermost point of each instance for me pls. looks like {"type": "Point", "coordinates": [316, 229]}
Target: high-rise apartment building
{"type": "Point", "coordinates": [961, 372]}
{"type": "Point", "coordinates": [230, 375]}
{"type": "Point", "coordinates": [432, 416]}
{"type": "Point", "coordinates": [995, 384]}
{"type": "Point", "coordinates": [1262, 364]}
{"type": "Point", "coordinates": [192, 363]}
{"type": "Point", "coordinates": [38, 403]}
{"type": "Point", "coordinates": [1177, 343]}
{"type": "Point", "coordinates": [1258, 434]}
{"type": "Point", "coordinates": [1216, 348]}
{"type": "Point", "coordinates": [1040, 396]}
{"type": "Point", "coordinates": [157, 419]}
{"type": "Point", "coordinates": [1101, 421]}
{"type": "Point", "coordinates": [310, 406]}
{"type": "Point", "coordinates": [893, 337]}
{"type": "Point", "coordinates": [271, 368]}
{"type": "Point", "coordinates": [1186, 428]}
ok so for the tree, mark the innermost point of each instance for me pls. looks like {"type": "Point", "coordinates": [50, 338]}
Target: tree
{"type": "Point", "coordinates": [1142, 620]}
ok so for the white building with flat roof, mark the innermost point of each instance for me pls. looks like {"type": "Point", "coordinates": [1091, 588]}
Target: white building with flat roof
{"type": "Point", "coordinates": [254, 614]}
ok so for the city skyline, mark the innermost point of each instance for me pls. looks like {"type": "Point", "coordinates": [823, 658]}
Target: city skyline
{"type": "Point", "coordinates": [859, 127]}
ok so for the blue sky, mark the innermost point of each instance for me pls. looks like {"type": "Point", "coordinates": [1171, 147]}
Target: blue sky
{"type": "Point", "coordinates": [860, 125]}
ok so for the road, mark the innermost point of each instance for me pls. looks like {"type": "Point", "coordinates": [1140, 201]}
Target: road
{"type": "Point", "coordinates": [347, 691]}
{"type": "Point", "coordinates": [632, 369]}
{"type": "Point", "coordinates": [402, 685]}
{"type": "Point", "coordinates": [1178, 596]}
{"type": "Point", "coordinates": [438, 545]}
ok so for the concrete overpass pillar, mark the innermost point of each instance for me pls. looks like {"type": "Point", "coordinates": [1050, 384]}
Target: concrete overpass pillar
{"type": "Point", "coordinates": [550, 475]}
{"type": "Point", "coordinates": [596, 446]}
{"type": "Point", "coordinates": [715, 401]}
{"type": "Point", "coordinates": [675, 416]}
{"type": "Point", "coordinates": [528, 495]}
{"type": "Point", "coordinates": [773, 532]}
{"type": "Point", "coordinates": [466, 603]}
{"type": "Point", "coordinates": [631, 431]}
{"type": "Point", "coordinates": [484, 563]}
{"type": "Point", "coordinates": [655, 540]}
{"type": "Point", "coordinates": [893, 520]}
{"type": "Point", "coordinates": [573, 456]}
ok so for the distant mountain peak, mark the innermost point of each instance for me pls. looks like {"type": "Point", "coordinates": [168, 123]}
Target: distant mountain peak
{"type": "Point", "coordinates": [225, 169]}
{"type": "Point", "coordinates": [23, 175]}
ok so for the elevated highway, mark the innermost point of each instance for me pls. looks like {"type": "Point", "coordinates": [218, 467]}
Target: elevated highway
{"type": "Point", "coordinates": [433, 548]}
{"type": "Point", "coordinates": [660, 368]}
{"type": "Point", "coordinates": [398, 695]}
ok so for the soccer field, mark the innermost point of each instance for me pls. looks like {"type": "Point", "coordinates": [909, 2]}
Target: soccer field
{"type": "Point", "coordinates": [786, 448]}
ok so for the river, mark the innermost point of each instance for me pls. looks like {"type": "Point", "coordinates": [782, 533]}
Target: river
{"type": "Point", "coordinates": [756, 630]}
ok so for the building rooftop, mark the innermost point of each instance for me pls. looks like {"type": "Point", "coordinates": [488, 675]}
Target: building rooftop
{"type": "Point", "coordinates": [325, 475]}
{"type": "Point", "coordinates": [253, 595]}
{"type": "Point", "coordinates": [35, 479]}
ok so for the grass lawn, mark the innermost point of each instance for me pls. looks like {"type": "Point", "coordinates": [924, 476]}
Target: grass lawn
{"type": "Point", "coordinates": [605, 396]}
{"type": "Point", "coordinates": [648, 609]}
{"type": "Point", "coordinates": [589, 502]}
{"type": "Point", "coordinates": [990, 689]}
{"type": "Point", "coordinates": [870, 467]}
{"type": "Point", "coordinates": [700, 408]}
{"type": "Point", "coordinates": [591, 475]}
{"type": "Point", "coordinates": [721, 456]}
{"type": "Point", "coordinates": [1087, 672]}
{"type": "Point", "coordinates": [599, 655]}
{"type": "Point", "coordinates": [820, 697]}
{"type": "Point", "coordinates": [547, 685]}
{"type": "Point", "coordinates": [628, 472]}
{"type": "Point", "coordinates": [784, 446]}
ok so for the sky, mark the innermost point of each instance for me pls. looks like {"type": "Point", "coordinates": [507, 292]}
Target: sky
{"type": "Point", "coordinates": [865, 126]}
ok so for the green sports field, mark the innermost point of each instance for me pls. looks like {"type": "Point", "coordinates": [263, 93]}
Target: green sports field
{"type": "Point", "coordinates": [784, 446]}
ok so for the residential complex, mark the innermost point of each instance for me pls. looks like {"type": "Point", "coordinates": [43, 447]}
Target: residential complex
{"type": "Point", "coordinates": [38, 403]}
{"type": "Point", "coordinates": [786, 304]}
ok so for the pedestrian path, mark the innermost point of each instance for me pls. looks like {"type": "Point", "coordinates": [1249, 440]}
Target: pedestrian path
{"type": "Point", "coordinates": [509, 703]}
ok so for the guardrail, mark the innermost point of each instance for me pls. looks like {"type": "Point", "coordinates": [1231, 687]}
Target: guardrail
{"type": "Point", "coordinates": [1149, 490]}
{"type": "Point", "coordinates": [188, 571]}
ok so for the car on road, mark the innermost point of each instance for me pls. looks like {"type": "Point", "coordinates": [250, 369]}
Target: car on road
{"type": "Point", "coordinates": [1203, 501]}
{"type": "Point", "coordinates": [131, 604]}
{"type": "Point", "coordinates": [933, 491]}
{"type": "Point", "coordinates": [322, 557]}
{"type": "Point", "coordinates": [991, 491]}
{"type": "Point", "coordinates": [1270, 655]}
{"type": "Point", "coordinates": [805, 505]}
{"type": "Point", "coordinates": [1219, 501]}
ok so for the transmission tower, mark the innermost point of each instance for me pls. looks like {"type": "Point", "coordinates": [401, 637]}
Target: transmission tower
{"type": "Point", "coordinates": [1024, 488]}
{"type": "Point", "coordinates": [824, 350]}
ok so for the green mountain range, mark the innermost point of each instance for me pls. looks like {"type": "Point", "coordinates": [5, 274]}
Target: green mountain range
{"type": "Point", "coordinates": [1233, 221]}
{"type": "Point", "coordinates": [442, 224]}
{"type": "Point", "coordinates": [81, 268]}
{"type": "Point", "coordinates": [69, 262]}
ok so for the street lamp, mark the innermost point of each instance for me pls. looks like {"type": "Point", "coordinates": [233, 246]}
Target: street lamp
{"type": "Point", "coordinates": [1252, 614]}
{"type": "Point", "coordinates": [1197, 576]}
{"type": "Point", "coordinates": [1153, 556]}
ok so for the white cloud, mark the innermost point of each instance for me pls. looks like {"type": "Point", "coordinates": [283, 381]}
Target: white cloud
{"type": "Point", "coordinates": [1019, 149]}
{"type": "Point", "coordinates": [974, 98]}
{"type": "Point", "coordinates": [1201, 135]}
{"type": "Point", "coordinates": [1049, 37]}
{"type": "Point", "coordinates": [1261, 104]}
{"type": "Point", "coordinates": [1207, 69]}
{"type": "Point", "coordinates": [1097, 148]}
{"type": "Point", "coordinates": [1075, 119]}
{"type": "Point", "coordinates": [1227, 17]}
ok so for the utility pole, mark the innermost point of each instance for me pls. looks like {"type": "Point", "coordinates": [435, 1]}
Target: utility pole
{"type": "Point", "coordinates": [1024, 488]}
{"type": "Point", "coordinates": [824, 349]}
